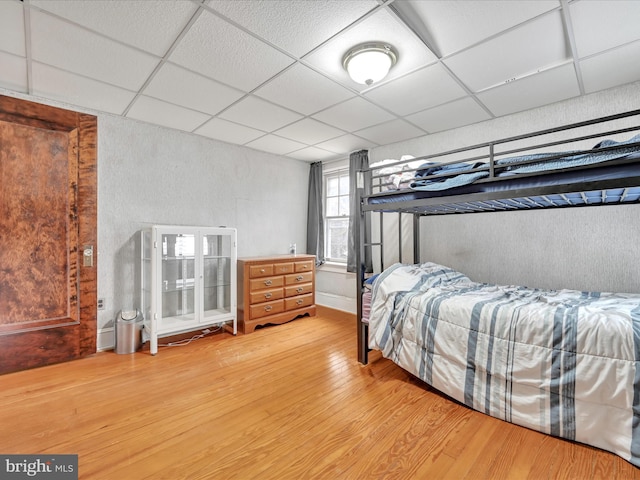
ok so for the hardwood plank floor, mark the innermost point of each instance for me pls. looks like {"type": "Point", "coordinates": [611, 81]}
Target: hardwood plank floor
{"type": "Point", "coordinates": [285, 402]}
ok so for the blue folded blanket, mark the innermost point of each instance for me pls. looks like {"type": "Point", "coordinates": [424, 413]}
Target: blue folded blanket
{"type": "Point", "coordinates": [570, 159]}
{"type": "Point", "coordinates": [449, 178]}
{"type": "Point", "coordinates": [453, 175]}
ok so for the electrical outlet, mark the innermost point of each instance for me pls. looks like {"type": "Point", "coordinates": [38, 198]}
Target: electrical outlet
{"type": "Point", "coordinates": [101, 304]}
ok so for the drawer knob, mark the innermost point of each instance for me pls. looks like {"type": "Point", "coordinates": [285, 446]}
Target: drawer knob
{"type": "Point", "coordinates": [262, 270]}
{"type": "Point", "coordinates": [299, 289]}
{"type": "Point", "coordinates": [299, 278]}
{"type": "Point", "coordinates": [299, 301]}
{"type": "Point", "coordinates": [268, 295]}
{"type": "Point", "coordinates": [268, 283]}
{"type": "Point", "coordinates": [268, 308]}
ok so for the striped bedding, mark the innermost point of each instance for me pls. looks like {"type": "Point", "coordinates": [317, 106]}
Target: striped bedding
{"type": "Point", "coordinates": [562, 362]}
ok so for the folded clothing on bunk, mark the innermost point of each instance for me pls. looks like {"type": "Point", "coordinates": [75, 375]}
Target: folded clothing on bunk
{"type": "Point", "coordinates": [459, 174]}
{"type": "Point", "coordinates": [366, 298]}
{"type": "Point", "coordinates": [453, 175]}
{"type": "Point", "coordinates": [570, 158]}
{"type": "Point", "coordinates": [397, 175]}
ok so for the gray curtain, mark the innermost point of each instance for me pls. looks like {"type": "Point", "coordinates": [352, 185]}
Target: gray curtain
{"type": "Point", "coordinates": [357, 161]}
{"type": "Point", "coordinates": [315, 214]}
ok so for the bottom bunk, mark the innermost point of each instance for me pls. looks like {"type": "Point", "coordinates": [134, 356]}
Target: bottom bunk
{"type": "Point", "coordinates": [563, 362]}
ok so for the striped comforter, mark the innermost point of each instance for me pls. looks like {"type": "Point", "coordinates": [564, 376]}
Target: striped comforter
{"type": "Point", "coordinates": [563, 362]}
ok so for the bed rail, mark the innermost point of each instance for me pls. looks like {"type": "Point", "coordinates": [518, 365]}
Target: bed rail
{"type": "Point", "coordinates": [515, 173]}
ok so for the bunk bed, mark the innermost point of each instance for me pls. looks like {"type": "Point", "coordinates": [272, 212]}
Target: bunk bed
{"type": "Point", "coordinates": [561, 362]}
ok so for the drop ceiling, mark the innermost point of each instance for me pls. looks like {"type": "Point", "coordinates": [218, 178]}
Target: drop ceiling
{"type": "Point", "coordinates": [267, 74]}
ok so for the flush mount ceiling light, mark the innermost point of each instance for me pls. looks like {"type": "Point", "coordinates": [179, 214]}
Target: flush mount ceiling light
{"type": "Point", "coordinates": [368, 63]}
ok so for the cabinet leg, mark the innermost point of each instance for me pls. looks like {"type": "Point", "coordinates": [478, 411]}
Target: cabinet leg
{"type": "Point", "coordinates": [230, 329]}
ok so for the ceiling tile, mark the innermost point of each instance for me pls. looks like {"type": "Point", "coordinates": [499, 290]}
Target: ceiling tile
{"type": "Point", "coordinates": [309, 131]}
{"type": "Point", "coordinates": [536, 90]}
{"type": "Point", "coordinates": [425, 88]}
{"type": "Point", "coordinates": [354, 115]}
{"type": "Point", "coordinates": [12, 28]}
{"type": "Point", "coordinates": [275, 144]}
{"type": "Point", "coordinates": [455, 25]}
{"type": "Point", "coordinates": [161, 113]}
{"type": "Point", "coordinates": [391, 132]}
{"type": "Point", "coordinates": [204, 95]}
{"type": "Point", "coordinates": [14, 73]}
{"type": "Point", "coordinates": [346, 144]}
{"type": "Point", "coordinates": [66, 46]}
{"type": "Point", "coordinates": [458, 113]}
{"type": "Point", "coordinates": [271, 70]}
{"type": "Point", "coordinates": [517, 53]}
{"type": "Point", "coordinates": [312, 154]}
{"type": "Point", "coordinates": [257, 113]}
{"type": "Point", "coordinates": [602, 24]}
{"type": "Point", "coordinates": [297, 26]}
{"type": "Point", "coordinates": [613, 68]}
{"type": "Point", "coordinates": [382, 26]}
{"type": "Point", "coordinates": [50, 82]}
{"type": "Point", "coordinates": [225, 53]}
{"type": "Point", "coordinates": [303, 90]}
{"type": "Point", "coordinates": [151, 25]}
{"type": "Point", "coordinates": [228, 131]}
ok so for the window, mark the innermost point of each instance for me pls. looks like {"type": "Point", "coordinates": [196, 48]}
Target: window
{"type": "Point", "coordinates": [336, 198]}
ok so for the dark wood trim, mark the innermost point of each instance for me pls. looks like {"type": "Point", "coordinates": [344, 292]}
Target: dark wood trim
{"type": "Point", "coordinates": [88, 231]}
{"type": "Point", "coordinates": [43, 343]}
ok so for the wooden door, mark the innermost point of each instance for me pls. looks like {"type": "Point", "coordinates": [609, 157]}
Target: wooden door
{"type": "Point", "coordinates": [47, 221]}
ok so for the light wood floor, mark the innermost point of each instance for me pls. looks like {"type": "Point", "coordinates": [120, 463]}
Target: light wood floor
{"type": "Point", "coordinates": [285, 402]}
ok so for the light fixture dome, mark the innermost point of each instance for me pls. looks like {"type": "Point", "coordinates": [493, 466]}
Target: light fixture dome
{"type": "Point", "coordinates": [368, 63]}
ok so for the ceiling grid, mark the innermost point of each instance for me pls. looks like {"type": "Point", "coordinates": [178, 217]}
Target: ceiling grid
{"type": "Point", "coordinates": [267, 74]}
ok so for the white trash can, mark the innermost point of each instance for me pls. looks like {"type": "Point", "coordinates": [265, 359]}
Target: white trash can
{"type": "Point", "coordinates": [128, 331]}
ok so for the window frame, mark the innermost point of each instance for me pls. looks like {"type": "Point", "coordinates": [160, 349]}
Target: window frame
{"type": "Point", "coordinates": [342, 172]}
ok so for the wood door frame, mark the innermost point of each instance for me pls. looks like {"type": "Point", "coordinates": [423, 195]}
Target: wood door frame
{"type": "Point", "coordinates": [79, 339]}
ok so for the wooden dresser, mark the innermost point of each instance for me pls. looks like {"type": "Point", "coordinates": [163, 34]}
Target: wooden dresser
{"type": "Point", "coordinates": [275, 290]}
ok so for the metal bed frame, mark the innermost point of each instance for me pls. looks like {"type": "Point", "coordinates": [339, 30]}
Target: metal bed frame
{"type": "Point", "coordinates": [486, 201]}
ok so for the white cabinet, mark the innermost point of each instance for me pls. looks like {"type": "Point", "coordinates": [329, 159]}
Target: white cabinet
{"type": "Point", "coordinates": [188, 278]}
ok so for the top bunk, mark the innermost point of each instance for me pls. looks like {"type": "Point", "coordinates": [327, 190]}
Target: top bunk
{"type": "Point", "coordinates": [594, 162]}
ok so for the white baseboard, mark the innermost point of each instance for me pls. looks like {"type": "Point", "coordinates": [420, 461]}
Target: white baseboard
{"type": "Point", "coordinates": [107, 336]}
{"type": "Point", "coordinates": [106, 339]}
{"type": "Point", "coordinates": [338, 302]}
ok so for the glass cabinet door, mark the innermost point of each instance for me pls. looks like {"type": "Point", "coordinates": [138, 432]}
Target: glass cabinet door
{"type": "Point", "coordinates": [216, 264]}
{"type": "Point", "coordinates": [188, 277]}
{"type": "Point", "coordinates": [178, 277]}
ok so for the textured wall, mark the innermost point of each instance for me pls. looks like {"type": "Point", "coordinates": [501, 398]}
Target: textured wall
{"type": "Point", "coordinates": [591, 248]}
{"type": "Point", "coordinates": [149, 174]}
{"type": "Point", "coordinates": [154, 175]}
{"type": "Point", "coordinates": [591, 106]}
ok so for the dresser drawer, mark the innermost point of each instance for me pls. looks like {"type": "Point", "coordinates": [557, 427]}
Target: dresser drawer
{"type": "Point", "coordinates": [268, 308]}
{"type": "Point", "coordinates": [298, 278]}
{"type": "Point", "coordinates": [267, 282]}
{"type": "Point", "coordinates": [266, 295]}
{"type": "Point", "coordinates": [298, 289]}
{"type": "Point", "coordinates": [282, 268]}
{"type": "Point", "coordinates": [256, 271]}
{"type": "Point", "coordinates": [304, 266]}
{"type": "Point", "coordinates": [275, 290]}
{"type": "Point", "coordinates": [298, 302]}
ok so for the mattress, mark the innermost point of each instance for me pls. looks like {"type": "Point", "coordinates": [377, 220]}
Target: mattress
{"type": "Point", "coordinates": [575, 187]}
{"type": "Point", "coordinates": [562, 362]}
